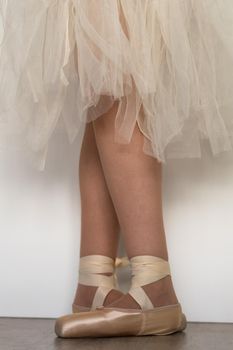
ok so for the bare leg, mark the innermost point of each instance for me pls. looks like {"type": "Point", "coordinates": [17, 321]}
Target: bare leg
{"type": "Point", "coordinates": [134, 182]}
{"type": "Point", "coordinates": [99, 223]}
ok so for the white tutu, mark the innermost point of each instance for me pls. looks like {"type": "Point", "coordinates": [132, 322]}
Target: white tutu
{"type": "Point", "coordinates": [167, 62]}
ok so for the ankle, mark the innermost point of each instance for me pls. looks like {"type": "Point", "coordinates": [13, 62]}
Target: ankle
{"type": "Point", "coordinates": [161, 292]}
{"type": "Point", "coordinates": [85, 294]}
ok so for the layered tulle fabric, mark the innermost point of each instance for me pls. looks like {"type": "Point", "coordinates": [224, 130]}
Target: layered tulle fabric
{"type": "Point", "coordinates": [166, 63]}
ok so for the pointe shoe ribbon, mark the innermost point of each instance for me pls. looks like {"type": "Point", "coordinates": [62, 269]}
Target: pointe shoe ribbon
{"type": "Point", "coordinates": [122, 261]}
{"type": "Point", "coordinates": [114, 321]}
{"type": "Point", "coordinates": [91, 270]}
{"type": "Point", "coordinates": [146, 269]}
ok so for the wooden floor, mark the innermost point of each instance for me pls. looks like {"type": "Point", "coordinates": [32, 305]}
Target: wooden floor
{"type": "Point", "coordinates": [38, 334]}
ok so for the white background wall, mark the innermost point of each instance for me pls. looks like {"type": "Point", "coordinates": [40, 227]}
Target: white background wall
{"type": "Point", "coordinates": [40, 234]}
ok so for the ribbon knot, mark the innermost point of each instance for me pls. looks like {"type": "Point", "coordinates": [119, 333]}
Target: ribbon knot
{"type": "Point", "coordinates": [121, 262]}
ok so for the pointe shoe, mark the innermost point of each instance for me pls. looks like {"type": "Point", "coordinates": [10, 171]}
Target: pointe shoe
{"type": "Point", "coordinates": [114, 321]}
{"type": "Point", "coordinates": [90, 267]}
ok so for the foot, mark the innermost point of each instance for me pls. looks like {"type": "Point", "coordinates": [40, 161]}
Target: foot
{"type": "Point", "coordinates": [85, 295]}
{"type": "Point", "coordinates": [161, 293]}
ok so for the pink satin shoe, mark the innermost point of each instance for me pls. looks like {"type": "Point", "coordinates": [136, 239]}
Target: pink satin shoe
{"type": "Point", "coordinates": [90, 267]}
{"type": "Point", "coordinates": [113, 321]}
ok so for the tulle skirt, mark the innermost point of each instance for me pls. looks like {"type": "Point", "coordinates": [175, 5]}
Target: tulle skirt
{"type": "Point", "coordinates": [166, 63]}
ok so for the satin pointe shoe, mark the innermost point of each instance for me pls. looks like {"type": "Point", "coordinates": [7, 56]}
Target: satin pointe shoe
{"type": "Point", "coordinates": [90, 267]}
{"type": "Point", "coordinates": [113, 321]}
